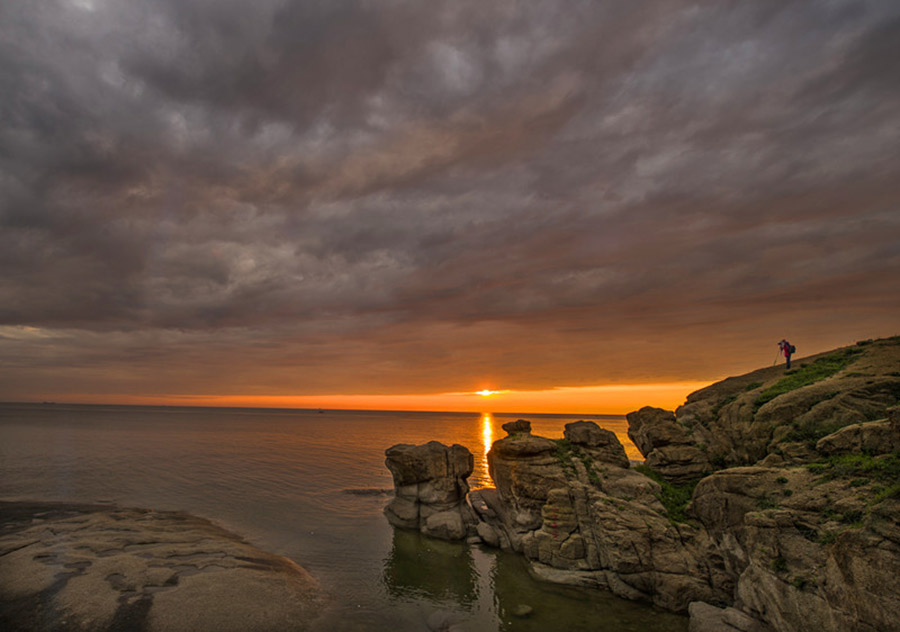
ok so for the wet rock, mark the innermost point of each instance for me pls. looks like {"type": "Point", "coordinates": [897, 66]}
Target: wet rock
{"type": "Point", "coordinates": [101, 567]}
{"type": "Point", "coordinates": [430, 487]}
{"type": "Point", "coordinates": [524, 469]}
{"type": "Point", "coordinates": [488, 534]}
{"type": "Point", "coordinates": [440, 621]}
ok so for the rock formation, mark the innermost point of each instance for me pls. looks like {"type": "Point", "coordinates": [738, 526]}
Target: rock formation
{"type": "Point", "coordinates": [430, 489]}
{"type": "Point", "coordinates": [769, 501]}
{"type": "Point", "coordinates": [666, 445]}
{"type": "Point", "coordinates": [94, 568]}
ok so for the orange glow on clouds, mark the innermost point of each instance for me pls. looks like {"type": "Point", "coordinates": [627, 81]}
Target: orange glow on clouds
{"type": "Point", "coordinates": [607, 399]}
{"type": "Point", "coordinates": [488, 393]}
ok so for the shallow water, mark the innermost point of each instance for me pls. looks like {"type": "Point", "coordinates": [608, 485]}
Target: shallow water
{"type": "Point", "coordinates": [305, 484]}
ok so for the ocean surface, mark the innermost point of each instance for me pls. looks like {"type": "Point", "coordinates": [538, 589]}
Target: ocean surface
{"type": "Point", "coordinates": [310, 485]}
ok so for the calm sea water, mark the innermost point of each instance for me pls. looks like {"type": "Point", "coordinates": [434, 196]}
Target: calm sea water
{"type": "Point", "coordinates": [289, 481]}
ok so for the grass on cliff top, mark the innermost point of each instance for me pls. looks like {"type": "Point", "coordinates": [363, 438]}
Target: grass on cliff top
{"type": "Point", "coordinates": [882, 469]}
{"type": "Point", "coordinates": [822, 368]}
{"type": "Point", "coordinates": [674, 498]}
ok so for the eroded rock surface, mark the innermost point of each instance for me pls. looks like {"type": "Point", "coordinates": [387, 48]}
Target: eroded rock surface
{"type": "Point", "coordinates": [582, 516]}
{"type": "Point", "coordinates": [95, 568]}
{"type": "Point", "coordinates": [430, 489]}
{"type": "Point", "coordinates": [666, 445]}
{"type": "Point", "coordinates": [600, 444]}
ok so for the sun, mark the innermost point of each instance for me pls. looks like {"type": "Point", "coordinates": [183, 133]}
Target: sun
{"type": "Point", "coordinates": [486, 393]}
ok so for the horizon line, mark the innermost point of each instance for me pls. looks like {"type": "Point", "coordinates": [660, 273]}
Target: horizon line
{"type": "Point", "coordinates": [320, 409]}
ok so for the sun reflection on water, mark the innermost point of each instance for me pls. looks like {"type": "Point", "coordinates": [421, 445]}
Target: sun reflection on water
{"type": "Point", "coordinates": [487, 438]}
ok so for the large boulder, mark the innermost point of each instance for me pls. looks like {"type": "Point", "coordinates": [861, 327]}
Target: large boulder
{"type": "Point", "coordinates": [525, 468]}
{"type": "Point", "coordinates": [601, 444]}
{"type": "Point", "coordinates": [666, 445]}
{"type": "Point", "coordinates": [651, 428]}
{"type": "Point", "coordinates": [874, 437]}
{"type": "Point", "coordinates": [519, 426]}
{"type": "Point", "coordinates": [430, 489]}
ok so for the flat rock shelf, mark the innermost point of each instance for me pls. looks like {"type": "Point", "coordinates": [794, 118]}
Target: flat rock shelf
{"type": "Point", "coordinates": [75, 567]}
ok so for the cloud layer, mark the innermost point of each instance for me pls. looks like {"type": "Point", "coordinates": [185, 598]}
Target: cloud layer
{"type": "Point", "coordinates": [288, 197]}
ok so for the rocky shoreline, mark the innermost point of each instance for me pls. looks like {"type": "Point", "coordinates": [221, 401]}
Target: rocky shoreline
{"type": "Point", "coordinates": [71, 567]}
{"type": "Point", "coordinates": [769, 501]}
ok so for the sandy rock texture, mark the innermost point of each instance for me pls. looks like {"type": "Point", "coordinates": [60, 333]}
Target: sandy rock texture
{"type": "Point", "coordinates": [430, 489]}
{"type": "Point", "coordinates": [87, 567]}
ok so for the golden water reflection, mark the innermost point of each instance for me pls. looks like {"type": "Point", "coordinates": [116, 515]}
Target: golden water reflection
{"type": "Point", "coordinates": [487, 438]}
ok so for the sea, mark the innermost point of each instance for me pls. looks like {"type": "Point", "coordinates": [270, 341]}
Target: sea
{"type": "Point", "coordinates": [311, 485]}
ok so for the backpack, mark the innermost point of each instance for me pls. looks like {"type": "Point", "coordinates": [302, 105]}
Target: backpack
{"type": "Point", "coordinates": [793, 349]}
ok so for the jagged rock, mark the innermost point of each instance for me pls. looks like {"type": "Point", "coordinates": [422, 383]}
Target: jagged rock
{"type": "Point", "coordinates": [786, 539]}
{"type": "Point", "coordinates": [524, 469]}
{"type": "Point", "coordinates": [518, 426]}
{"type": "Point", "coordinates": [652, 428]}
{"type": "Point", "coordinates": [679, 463]}
{"type": "Point", "coordinates": [774, 529]}
{"type": "Point", "coordinates": [600, 444]}
{"type": "Point", "coordinates": [668, 448]}
{"type": "Point", "coordinates": [875, 437]}
{"type": "Point", "coordinates": [430, 489]}
{"type": "Point", "coordinates": [740, 427]}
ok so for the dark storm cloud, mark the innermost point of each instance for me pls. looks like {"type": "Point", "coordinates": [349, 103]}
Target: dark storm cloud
{"type": "Point", "coordinates": [303, 184]}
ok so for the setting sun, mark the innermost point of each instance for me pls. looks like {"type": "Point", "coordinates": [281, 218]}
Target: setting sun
{"type": "Point", "coordinates": [487, 393]}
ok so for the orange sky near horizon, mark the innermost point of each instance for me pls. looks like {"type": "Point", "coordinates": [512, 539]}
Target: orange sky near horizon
{"type": "Point", "coordinates": [606, 399]}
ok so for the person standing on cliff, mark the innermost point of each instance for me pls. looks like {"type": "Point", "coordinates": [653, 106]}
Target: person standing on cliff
{"type": "Point", "coordinates": [787, 349]}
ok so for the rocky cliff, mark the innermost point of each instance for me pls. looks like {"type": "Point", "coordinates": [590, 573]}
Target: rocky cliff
{"type": "Point", "coordinates": [769, 501]}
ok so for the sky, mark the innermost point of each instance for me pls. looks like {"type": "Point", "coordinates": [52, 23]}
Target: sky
{"type": "Point", "coordinates": [585, 206]}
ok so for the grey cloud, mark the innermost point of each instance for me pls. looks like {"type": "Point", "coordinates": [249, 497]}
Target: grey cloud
{"type": "Point", "coordinates": [599, 169]}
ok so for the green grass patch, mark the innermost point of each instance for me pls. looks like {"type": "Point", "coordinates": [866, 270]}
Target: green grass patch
{"type": "Point", "coordinates": [852, 516]}
{"type": "Point", "coordinates": [811, 433]}
{"type": "Point", "coordinates": [885, 468]}
{"type": "Point", "coordinates": [674, 498]}
{"type": "Point", "coordinates": [891, 491]}
{"type": "Point", "coordinates": [752, 386]}
{"type": "Point", "coordinates": [863, 469]}
{"type": "Point", "coordinates": [822, 368]}
{"type": "Point", "coordinates": [779, 564]}
{"type": "Point", "coordinates": [766, 503]}
{"type": "Point", "coordinates": [566, 452]}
